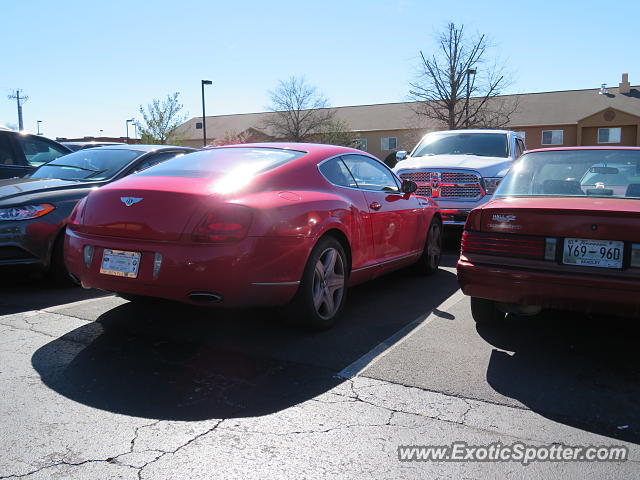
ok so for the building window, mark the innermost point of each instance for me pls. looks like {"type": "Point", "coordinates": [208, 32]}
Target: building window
{"type": "Point", "coordinates": [363, 144]}
{"type": "Point", "coordinates": [552, 137]}
{"type": "Point", "coordinates": [609, 135]}
{"type": "Point", "coordinates": [388, 143]}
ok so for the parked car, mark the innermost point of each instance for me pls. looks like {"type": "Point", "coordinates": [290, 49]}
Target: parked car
{"type": "Point", "coordinates": [21, 153]}
{"type": "Point", "coordinates": [547, 240]}
{"type": "Point", "coordinates": [34, 210]}
{"type": "Point", "coordinates": [460, 169]}
{"type": "Point", "coordinates": [255, 224]}
{"type": "Point", "coordinates": [75, 146]}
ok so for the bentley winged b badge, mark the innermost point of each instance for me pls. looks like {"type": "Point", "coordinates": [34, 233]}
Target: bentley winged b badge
{"type": "Point", "coordinates": [128, 201]}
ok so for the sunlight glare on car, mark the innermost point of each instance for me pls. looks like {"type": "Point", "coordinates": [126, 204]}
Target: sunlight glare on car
{"type": "Point", "coordinates": [238, 178]}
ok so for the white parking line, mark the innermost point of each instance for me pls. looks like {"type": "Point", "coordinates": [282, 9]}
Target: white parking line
{"type": "Point", "coordinates": [396, 339]}
{"type": "Point", "coordinates": [55, 308]}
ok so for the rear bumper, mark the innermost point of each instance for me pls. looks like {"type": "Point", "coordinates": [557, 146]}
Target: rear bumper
{"type": "Point", "coordinates": [550, 290]}
{"type": "Point", "coordinates": [253, 272]}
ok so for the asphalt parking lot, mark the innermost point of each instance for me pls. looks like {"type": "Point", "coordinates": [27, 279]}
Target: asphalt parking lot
{"type": "Point", "coordinates": [97, 387]}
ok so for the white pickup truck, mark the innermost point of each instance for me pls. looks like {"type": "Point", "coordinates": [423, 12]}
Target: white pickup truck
{"type": "Point", "coordinates": [459, 169]}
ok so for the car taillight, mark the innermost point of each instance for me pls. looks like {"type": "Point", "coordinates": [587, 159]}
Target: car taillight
{"type": "Point", "coordinates": [227, 223]}
{"type": "Point", "coordinates": [474, 220]}
{"type": "Point", "coordinates": [75, 219]}
{"type": "Point", "coordinates": [503, 244]}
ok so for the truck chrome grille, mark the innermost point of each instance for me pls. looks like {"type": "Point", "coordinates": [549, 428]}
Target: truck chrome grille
{"type": "Point", "coordinates": [446, 185]}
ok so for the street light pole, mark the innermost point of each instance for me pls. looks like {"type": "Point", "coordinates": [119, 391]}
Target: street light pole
{"type": "Point", "coordinates": [127, 126]}
{"type": "Point", "coordinates": [38, 126]}
{"type": "Point", "coordinates": [204, 118]}
{"type": "Point", "coordinates": [470, 71]}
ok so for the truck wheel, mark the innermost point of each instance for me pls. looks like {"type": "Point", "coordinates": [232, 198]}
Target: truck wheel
{"type": "Point", "coordinates": [486, 312]}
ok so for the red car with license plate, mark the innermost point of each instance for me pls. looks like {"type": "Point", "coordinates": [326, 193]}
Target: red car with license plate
{"type": "Point", "coordinates": [563, 231]}
{"type": "Point", "coordinates": [254, 224]}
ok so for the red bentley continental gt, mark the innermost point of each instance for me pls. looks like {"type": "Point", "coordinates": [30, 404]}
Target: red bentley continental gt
{"type": "Point", "coordinates": [254, 224]}
{"type": "Point", "coordinates": [563, 231]}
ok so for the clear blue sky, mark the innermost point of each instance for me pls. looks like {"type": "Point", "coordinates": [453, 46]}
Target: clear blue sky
{"type": "Point", "coordinates": [88, 65]}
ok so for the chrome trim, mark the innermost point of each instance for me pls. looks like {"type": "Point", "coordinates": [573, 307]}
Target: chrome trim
{"type": "Point", "coordinates": [276, 284]}
{"type": "Point", "coordinates": [414, 254]}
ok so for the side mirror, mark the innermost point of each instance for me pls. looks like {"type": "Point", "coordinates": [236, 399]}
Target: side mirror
{"type": "Point", "coordinates": [401, 155]}
{"type": "Point", "coordinates": [408, 186]}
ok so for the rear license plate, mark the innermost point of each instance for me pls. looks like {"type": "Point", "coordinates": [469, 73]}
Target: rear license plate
{"type": "Point", "coordinates": [120, 263]}
{"type": "Point", "coordinates": [593, 253]}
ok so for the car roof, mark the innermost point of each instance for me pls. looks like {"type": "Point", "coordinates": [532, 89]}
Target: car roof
{"type": "Point", "coordinates": [560, 149]}
{"type": "Point", "coordinates": [473, 130]}
{"type": "Point", "coordinates": [93, 142]}
{"type": "Point", "coordinates": [308, 148]}
{"type": "Point", "coordinates": [143, 148]}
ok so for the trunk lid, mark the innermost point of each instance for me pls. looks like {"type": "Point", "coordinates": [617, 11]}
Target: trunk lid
{"type": "Point", "coordinates": [573, 217]}
{"type": "Point", "coordinates": [147, 208]}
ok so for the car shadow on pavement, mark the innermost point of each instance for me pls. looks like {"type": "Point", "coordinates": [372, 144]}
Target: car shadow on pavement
{"type": "Point", "coordinates": [170, 361]}
{"type": "Point", "coordinates": [578, 370]}
{"type": "Point", "coordinates": [21, 291]}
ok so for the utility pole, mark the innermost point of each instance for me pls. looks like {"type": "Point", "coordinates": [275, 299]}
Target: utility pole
{"type": "Point", "coordinates": [19, 101]}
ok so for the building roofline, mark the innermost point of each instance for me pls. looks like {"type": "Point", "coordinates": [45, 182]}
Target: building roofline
{"type": "Point", "coordinates": [408, 102]}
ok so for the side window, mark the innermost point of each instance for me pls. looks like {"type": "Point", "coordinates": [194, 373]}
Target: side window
{"type": "Point", "coordinates": [7, 154]}
{"type": "Point", "coordinates": [337, 173]}
{"type": "Point", "coordinates": [155, 159]}
{"type": "Point", "coordinates": [38, 151]}
{"type": "Point", "coordinates": [370, 174]}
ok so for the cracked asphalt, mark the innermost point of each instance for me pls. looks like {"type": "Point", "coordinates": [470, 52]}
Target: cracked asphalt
{"type": "Point", "coordinates": [94, 387]}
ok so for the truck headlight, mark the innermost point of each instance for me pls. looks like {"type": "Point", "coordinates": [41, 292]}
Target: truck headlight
{"type": "Point", "coordinates": [490, 184]}
{"type": "Point", "coordinates": [25, 212]}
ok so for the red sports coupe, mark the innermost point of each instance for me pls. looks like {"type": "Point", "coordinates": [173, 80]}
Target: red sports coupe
{"type": "Point", "coordinates": [563, 231]}
{"type": "Point", "coordinates": [254, 224]}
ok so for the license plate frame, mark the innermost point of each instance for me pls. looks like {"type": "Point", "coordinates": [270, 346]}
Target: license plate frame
{"type": "Point", "coordinates": [593, 256]}
{"type": "Point", "coordinates": [120, 263]}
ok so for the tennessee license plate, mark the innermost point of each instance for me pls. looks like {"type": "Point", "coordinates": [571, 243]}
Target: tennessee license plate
{"type": "Point", "coordinates": [593, 253]}
{"type": "Point", "coordinates": [120, 263]}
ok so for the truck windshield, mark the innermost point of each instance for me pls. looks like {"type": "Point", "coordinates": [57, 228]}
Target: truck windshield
{"type": "Point", "coordinates": [452, 143]}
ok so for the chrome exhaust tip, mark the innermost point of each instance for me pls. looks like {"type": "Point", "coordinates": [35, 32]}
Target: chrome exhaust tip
{"type": "Point", "coordinates": [205, 297]}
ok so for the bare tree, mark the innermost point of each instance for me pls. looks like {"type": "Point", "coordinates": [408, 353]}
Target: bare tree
{"type": "Point", "coordinates": [337, 132]}
{"type": "Point", "coordinates": [458, 87]}
{"type": "Point", "coordinates": [300, 111]}
{"type": "Point", "coordinates": [232, 137]}
{"type": "Point", "coordinates": [160, 120]}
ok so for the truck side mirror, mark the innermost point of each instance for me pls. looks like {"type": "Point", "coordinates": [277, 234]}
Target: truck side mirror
{"type": "Point", "coordinates": [401, 155]}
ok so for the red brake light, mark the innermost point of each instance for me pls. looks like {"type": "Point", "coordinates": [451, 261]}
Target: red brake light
{"type": "Point", "coordinates": [474, 220]}
{"type": "Point", "coordinates": [227, 223]}
{"type": "Point", "coordinates": [503, 244]}
{"type": "Point", "coordinates": [75, 219]}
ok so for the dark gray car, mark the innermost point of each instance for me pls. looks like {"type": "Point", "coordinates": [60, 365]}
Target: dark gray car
{"type": "Point", "coordinates": [34, 210]}
{"type": "Point", "coordinates": [22, 153]}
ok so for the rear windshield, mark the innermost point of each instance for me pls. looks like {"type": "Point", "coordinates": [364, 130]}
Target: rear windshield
{"type": "Point", "coordinates": [87, 165]}
{"type": "Point", "coordinates": [222, 161]}
{"type": "Point", "coordinates": [575, 173]}
{"type": "Point", "coordinates": [480, 144]}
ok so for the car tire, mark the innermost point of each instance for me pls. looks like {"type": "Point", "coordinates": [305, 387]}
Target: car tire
{"type": "Point", "coordinates": [58, 272]}
{"type": "Point", "coordinates": [430, 259]}
{"type": "Point", "coordinates": [321, 295]}
{"type": "Point", "coordinates": [486, 312]}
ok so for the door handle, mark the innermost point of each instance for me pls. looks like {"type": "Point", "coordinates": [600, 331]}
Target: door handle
{"type": "Point", "coordinates": [375, 206]}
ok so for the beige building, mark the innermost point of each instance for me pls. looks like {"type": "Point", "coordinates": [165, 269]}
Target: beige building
{"type": "Point", "coordinates": [565, 118]}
